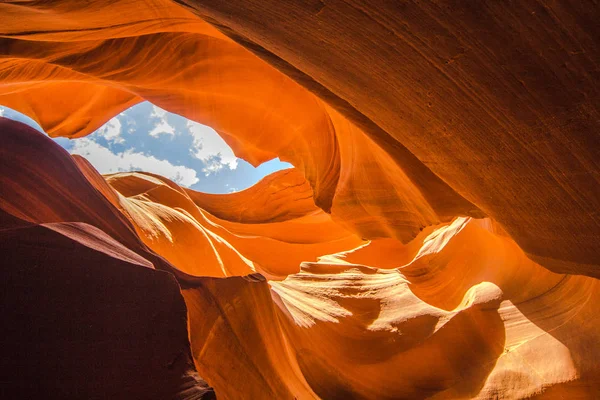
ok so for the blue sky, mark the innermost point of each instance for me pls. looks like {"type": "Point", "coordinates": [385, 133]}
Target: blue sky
{"type": "Point", "coordinates": [148, 138]}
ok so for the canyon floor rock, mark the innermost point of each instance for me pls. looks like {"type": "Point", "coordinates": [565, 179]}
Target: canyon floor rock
{"type": "Point", "coordinates": [438, 236]}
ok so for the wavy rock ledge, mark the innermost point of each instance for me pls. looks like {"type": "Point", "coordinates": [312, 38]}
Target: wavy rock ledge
{"type": "Point", "coordinates": [437, 238]}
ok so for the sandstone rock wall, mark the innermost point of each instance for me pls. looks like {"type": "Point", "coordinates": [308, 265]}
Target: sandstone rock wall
{"type": "Point", "coordinates": [437, 238]}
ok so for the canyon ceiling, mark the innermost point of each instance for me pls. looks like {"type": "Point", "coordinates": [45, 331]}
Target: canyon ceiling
{"type": "Point", "coordinates": [439, 236]}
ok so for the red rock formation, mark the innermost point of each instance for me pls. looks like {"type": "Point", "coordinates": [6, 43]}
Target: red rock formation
{"type": "Point", "coordinates": [467, 316]}
{"type": "Point", "coordinates": [500, 100]}
{"type": "Point", "coordinates": [243, 240]}
{"type": "Point", "coordinates": [404, 121]}
{"type": "Point", "coordinates": [85, 313]}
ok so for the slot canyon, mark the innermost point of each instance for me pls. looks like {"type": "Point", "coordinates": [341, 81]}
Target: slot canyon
{"type": "Point", "coordinates": [438, 236]}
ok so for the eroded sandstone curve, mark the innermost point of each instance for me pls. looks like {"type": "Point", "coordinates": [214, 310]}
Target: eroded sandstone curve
{"type": "Point", "coordinates": [437, 238]}
{"type": "Point", "coordinates": [258, 110]}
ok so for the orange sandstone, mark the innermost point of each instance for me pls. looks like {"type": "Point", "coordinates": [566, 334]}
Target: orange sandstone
{"type": "Point", "coordinates": [437, 238]}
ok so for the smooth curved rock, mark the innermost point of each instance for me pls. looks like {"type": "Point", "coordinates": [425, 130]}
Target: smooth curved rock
{"type": "Point", "coordinates": [85, 317]}
{"type": "Point", "coordinates": [168, 219]}
{"type": "Point", "coordinates": [500, 100]}
{"type": "Point", "coordinates": [85, 312]}
{"type": "Point", "coordinates": [404, 121]}
{"type": "Point", "coordinates": [259, 112]}
{"type": "Point", "coordinates": [444, 325]}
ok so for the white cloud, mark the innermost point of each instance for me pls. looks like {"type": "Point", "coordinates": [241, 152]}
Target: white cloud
{"type": "Point", "coordinates": [158, 112]}
{"type": "Point", "coordinates": [1, 111]}
{"type": "Point", "coordinates": [209, 147]}
{"type": "Point", "coordinates": [111, 131]}
{"type": "Point", "coordinates": [162, 126]}
{"type": "Point", "coordinates": [107, 162]}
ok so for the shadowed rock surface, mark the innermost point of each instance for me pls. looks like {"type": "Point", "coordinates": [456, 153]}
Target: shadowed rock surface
{"type": "Point", "coordinates": [437, 238]}
{"type": "Point", "coordinates": [83, 315]}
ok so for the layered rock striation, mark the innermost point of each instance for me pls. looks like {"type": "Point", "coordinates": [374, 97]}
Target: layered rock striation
{"type": "Point", "coordinates": [436, 238]}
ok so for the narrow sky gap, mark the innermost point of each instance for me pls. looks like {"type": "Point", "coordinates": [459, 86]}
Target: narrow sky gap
{"type": "Point", "coordinates": [147, 138]}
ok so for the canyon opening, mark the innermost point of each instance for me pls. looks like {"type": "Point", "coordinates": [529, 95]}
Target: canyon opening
{"type": "Point", "coordinates": [284, 199]}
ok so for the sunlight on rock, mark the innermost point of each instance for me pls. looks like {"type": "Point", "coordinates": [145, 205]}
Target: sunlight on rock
{"type": "Point", "coordinates": [436, 238]}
